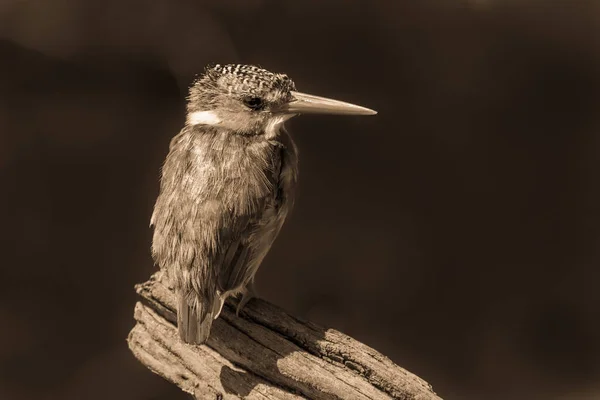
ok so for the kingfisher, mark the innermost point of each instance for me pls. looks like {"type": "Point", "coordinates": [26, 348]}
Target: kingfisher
{"type": "Point", "coordinates": [226, 187]}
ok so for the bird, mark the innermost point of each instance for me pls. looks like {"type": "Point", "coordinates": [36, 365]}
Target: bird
{"type": "Point", "coordinates": [226, 187]}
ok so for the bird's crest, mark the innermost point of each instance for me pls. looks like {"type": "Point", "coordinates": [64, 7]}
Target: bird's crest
{"type": "Point", "coordinates": [250, 79]}
{"type": "Point", "coordinates": [239, 80]}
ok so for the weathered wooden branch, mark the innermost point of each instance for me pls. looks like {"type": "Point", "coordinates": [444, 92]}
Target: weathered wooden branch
{"type": "Point", "coordinates": [264, 353]}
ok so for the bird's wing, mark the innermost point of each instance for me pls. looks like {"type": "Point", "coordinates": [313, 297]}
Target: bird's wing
{"type": "Point", "coordinates": [231, 265]}
{"type": "Point", "coordinates": [246, 240]}
{"type": "Point", "coordinates": [223, 266]}
{"type": "Point", "coordinates": [245, 251]}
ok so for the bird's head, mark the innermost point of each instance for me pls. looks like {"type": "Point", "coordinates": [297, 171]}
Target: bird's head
{"type": "Point", "coordinates": [248, 99]}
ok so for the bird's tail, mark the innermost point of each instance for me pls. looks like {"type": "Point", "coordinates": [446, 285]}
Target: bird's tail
{"type": "Point", "coordinates": [194, 321]}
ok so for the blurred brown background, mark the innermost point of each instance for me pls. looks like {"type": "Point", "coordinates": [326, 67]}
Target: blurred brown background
{"type": "Point", "coordinates": [457, 232]}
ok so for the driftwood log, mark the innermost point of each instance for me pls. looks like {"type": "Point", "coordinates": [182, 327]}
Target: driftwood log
{"type": "Point", "coordinates": [264, 353]}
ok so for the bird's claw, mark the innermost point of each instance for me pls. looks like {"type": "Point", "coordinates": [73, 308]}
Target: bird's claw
{"type": "Point", "coordinates": [248, 294]}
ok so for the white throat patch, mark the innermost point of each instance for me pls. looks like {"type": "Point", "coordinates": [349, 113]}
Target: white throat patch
{"type": "Point", "coordinates": [203, 118]}
{"type": "Point", "coordinates": [275, 124]}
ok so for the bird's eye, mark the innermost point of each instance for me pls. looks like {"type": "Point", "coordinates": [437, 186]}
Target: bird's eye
{"type": "Point", "coordinates": [254, 103]}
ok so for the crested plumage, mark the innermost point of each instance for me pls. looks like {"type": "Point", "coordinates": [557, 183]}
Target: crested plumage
{"type": "Point", "coordinates": [238, 81]}
{"type": "Point", "coordinates": [227, 185]}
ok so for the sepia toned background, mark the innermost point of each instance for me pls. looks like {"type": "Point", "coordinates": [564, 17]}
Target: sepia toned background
{"type": "Point", "coordinates": [457, 232]}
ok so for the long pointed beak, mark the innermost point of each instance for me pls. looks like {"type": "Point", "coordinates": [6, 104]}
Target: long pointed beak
{"type": "Point", "coordinates": [308, 104]}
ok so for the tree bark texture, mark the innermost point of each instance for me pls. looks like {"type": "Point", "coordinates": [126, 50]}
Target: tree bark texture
{"type": "Point", "coordinates": [264, 353]}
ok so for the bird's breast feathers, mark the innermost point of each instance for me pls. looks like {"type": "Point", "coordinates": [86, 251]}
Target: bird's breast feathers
{"type": "Point", "coordinates": [216, 172]}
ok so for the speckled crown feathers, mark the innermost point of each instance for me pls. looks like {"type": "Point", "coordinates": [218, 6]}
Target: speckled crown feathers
{"type": "Point", "coordinates": [238, 80]}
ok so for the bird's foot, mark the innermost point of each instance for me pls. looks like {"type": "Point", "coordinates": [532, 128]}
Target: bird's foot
{"type": "Point", "coordinates": [248, 294]}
